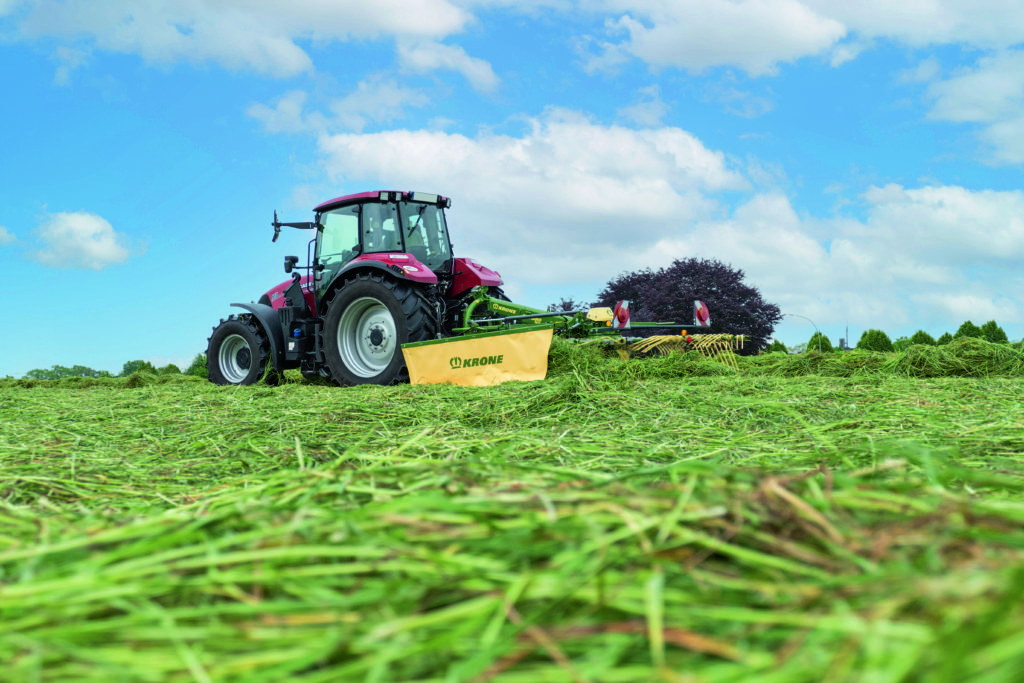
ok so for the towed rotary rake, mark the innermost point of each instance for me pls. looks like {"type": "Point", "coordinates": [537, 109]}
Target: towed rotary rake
{"type": "Point", "coordinates": [512, 341]}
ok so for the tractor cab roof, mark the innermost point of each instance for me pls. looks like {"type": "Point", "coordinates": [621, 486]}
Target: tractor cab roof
{"type": "Point", "coordinates": [385, 195]}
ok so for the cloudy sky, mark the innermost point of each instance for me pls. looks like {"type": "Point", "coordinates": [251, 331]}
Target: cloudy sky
{"type": "Point", "coordinates": [861, 162]}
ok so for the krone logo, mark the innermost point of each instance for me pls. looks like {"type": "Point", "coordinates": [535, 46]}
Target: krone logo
{"type": "Point", "coordinates": [458, 363]}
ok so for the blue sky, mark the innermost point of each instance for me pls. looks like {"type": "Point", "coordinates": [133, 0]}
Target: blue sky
{"type": "Point", "coordinates": [861, 162]}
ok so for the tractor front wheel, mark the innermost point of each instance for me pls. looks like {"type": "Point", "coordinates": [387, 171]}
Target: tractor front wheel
{"type": "Point", "coordinates": [368, 319]}
{"type": "Point", "coordinates": [238, 352]}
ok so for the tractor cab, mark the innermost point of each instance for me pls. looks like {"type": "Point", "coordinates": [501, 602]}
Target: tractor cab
{"type": "Point", "coordinates": [380, 274]}
{"type": "Point", "coordinates": [361, 225]}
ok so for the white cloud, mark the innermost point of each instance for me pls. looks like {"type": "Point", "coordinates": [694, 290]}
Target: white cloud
{"type": "Point", "coordinates": [758, 35]}
{"type": "Point", "coordinates": [6, 237]}
{"type": "Point", "coordinates": [925, 257]}
{"type": "Point", "coordinates": [79, 240]}
{"type": "Point", "coordinates": [286, 116]}
{"type": "Point", "coordinates": [977, 23]}
{"type": "Point", "coordinates": [426, 56]}
{"type": "Point", "coordinates": [649, 111]}
{"type": "Point", "coordinates": [766, 173]}
{"type": "Point", "coordinates": [735, 101]}
{"type": "Point", "coordinates": [609, 57]}
{"type": "Point", "coordinates": [565, 200]}
{"type": "Point", "coordinates": [68, 59]}
{"type": "Point", "coordinates": [259, 35]}
{"type": "Point", "coordinates": [1006, 140]}
{"type": "Point", "coordinates": [848, 51]}
{"type": "Point", "coordinates": [375, 99]}
{"type": "Point", "coordinates": [992, 95]}
{"type": "Point", "coordinates": [378, 100]}
{"type": "Point", "coordinates": [926, 70]}
{"type": "Point", "coordinates": [992, 91]}
{"type": "Point", "coordinates": [754, 35]}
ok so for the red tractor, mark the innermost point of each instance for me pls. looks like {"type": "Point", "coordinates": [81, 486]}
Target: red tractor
{"type": "Point", "coordinates": [381, 274]}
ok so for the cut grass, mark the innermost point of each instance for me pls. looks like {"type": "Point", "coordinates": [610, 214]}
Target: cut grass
{"type": "Point", "coordinates": [665, 519]}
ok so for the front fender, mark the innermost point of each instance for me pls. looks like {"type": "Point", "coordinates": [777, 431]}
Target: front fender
{"type": "Point", "coordinates": [268, 318]}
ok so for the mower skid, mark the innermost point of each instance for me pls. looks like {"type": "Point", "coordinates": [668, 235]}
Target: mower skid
{"type": "Point", "coordinates": [481, 360]}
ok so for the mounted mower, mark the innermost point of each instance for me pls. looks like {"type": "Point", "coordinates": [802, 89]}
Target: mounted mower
{"type": "Point", "coordinates": [384, 300]}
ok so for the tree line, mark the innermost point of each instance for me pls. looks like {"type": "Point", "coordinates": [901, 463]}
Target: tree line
{"type": "Point", "coordinates": [878, 340]}
{"type": "Point", "coordinates": [197, 368]}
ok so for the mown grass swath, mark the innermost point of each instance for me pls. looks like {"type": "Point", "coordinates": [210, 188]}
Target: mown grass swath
{"type": "Point", "coordinates": [857, 517]}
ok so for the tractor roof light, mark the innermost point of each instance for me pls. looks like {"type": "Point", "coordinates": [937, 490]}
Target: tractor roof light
{"type": "Point", "coordinates": [424, 197]}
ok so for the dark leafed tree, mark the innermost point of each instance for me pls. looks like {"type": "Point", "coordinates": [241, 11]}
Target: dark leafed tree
{"type": "Point", "coordinates": [667, 294]}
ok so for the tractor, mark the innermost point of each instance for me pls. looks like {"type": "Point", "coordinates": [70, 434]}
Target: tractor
{"type": "Point", "coordinates": [381, 273]}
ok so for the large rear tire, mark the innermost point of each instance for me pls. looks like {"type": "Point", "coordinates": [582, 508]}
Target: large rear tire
{"type": "Point", "coordinates": [368, 319]}
{"type": "Point", "coordinates": [238, 352]}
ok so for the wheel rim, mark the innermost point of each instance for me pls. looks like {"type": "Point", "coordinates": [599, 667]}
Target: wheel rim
{"type": "Point", "coordinates": [234, 358]}
{"type": "Point", "coordinates": [366, 337]}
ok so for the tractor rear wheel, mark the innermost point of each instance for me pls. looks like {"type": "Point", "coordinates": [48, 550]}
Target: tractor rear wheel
{"type": "Point", "coordinates": [238, 352]}
{"type": "Point", "coordinates": [368, 319]}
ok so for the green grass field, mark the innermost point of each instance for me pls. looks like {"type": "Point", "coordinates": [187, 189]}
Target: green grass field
{"type": "Point", "coordinates": [855, 517]}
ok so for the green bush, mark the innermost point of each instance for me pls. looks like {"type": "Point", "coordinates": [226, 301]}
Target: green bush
{"type": "Point", "coordinates": [133, 366]}
{"type": "Point", "coordinates": [922, 337]}
{"type": "Point", "coordinates": [198, 367]}
{"type": "Point", "coordinates": [825, 344]}
{"type": "Point", "coordinates": [991, 332]}
{"type": "Point", "coordinates": [968, 329]}
{"type": "Point", "coordinates": [875, 340]}
{"type": "Point", "coordinates": [902, 344]}
{"type": "Point", "coordinates": [944, 339]}
{"type": "Point", "coordinates": [169, 369]}
{"type": "Point", "coordinates": [777, 347]}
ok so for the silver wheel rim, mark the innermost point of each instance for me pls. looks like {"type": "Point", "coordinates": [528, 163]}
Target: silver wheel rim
{"type": "Point", "coordinates": [232, 360]}
{"type": "Point", "coordinates": [366, 337]}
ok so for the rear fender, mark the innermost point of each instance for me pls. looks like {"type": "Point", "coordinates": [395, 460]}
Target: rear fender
{"type": "Point", "coordinates": [271, 323]}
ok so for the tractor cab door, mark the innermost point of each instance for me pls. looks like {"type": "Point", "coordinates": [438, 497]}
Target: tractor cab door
{"type": "Point", "coordinates": [426, 235]}
{"type": "Point", "coordinates": [337, 243]}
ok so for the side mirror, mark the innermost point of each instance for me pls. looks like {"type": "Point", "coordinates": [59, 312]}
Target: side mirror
{"type": "Point", "coordinates": [290, 262]}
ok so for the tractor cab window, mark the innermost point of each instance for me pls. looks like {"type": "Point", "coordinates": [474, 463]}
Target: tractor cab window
{"type": "Point", "coordinates": [426, 235]}
{"type": "Point", "coordinates": [379, 226]}
{"type": "Point", "coordinates": [337, 241]}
